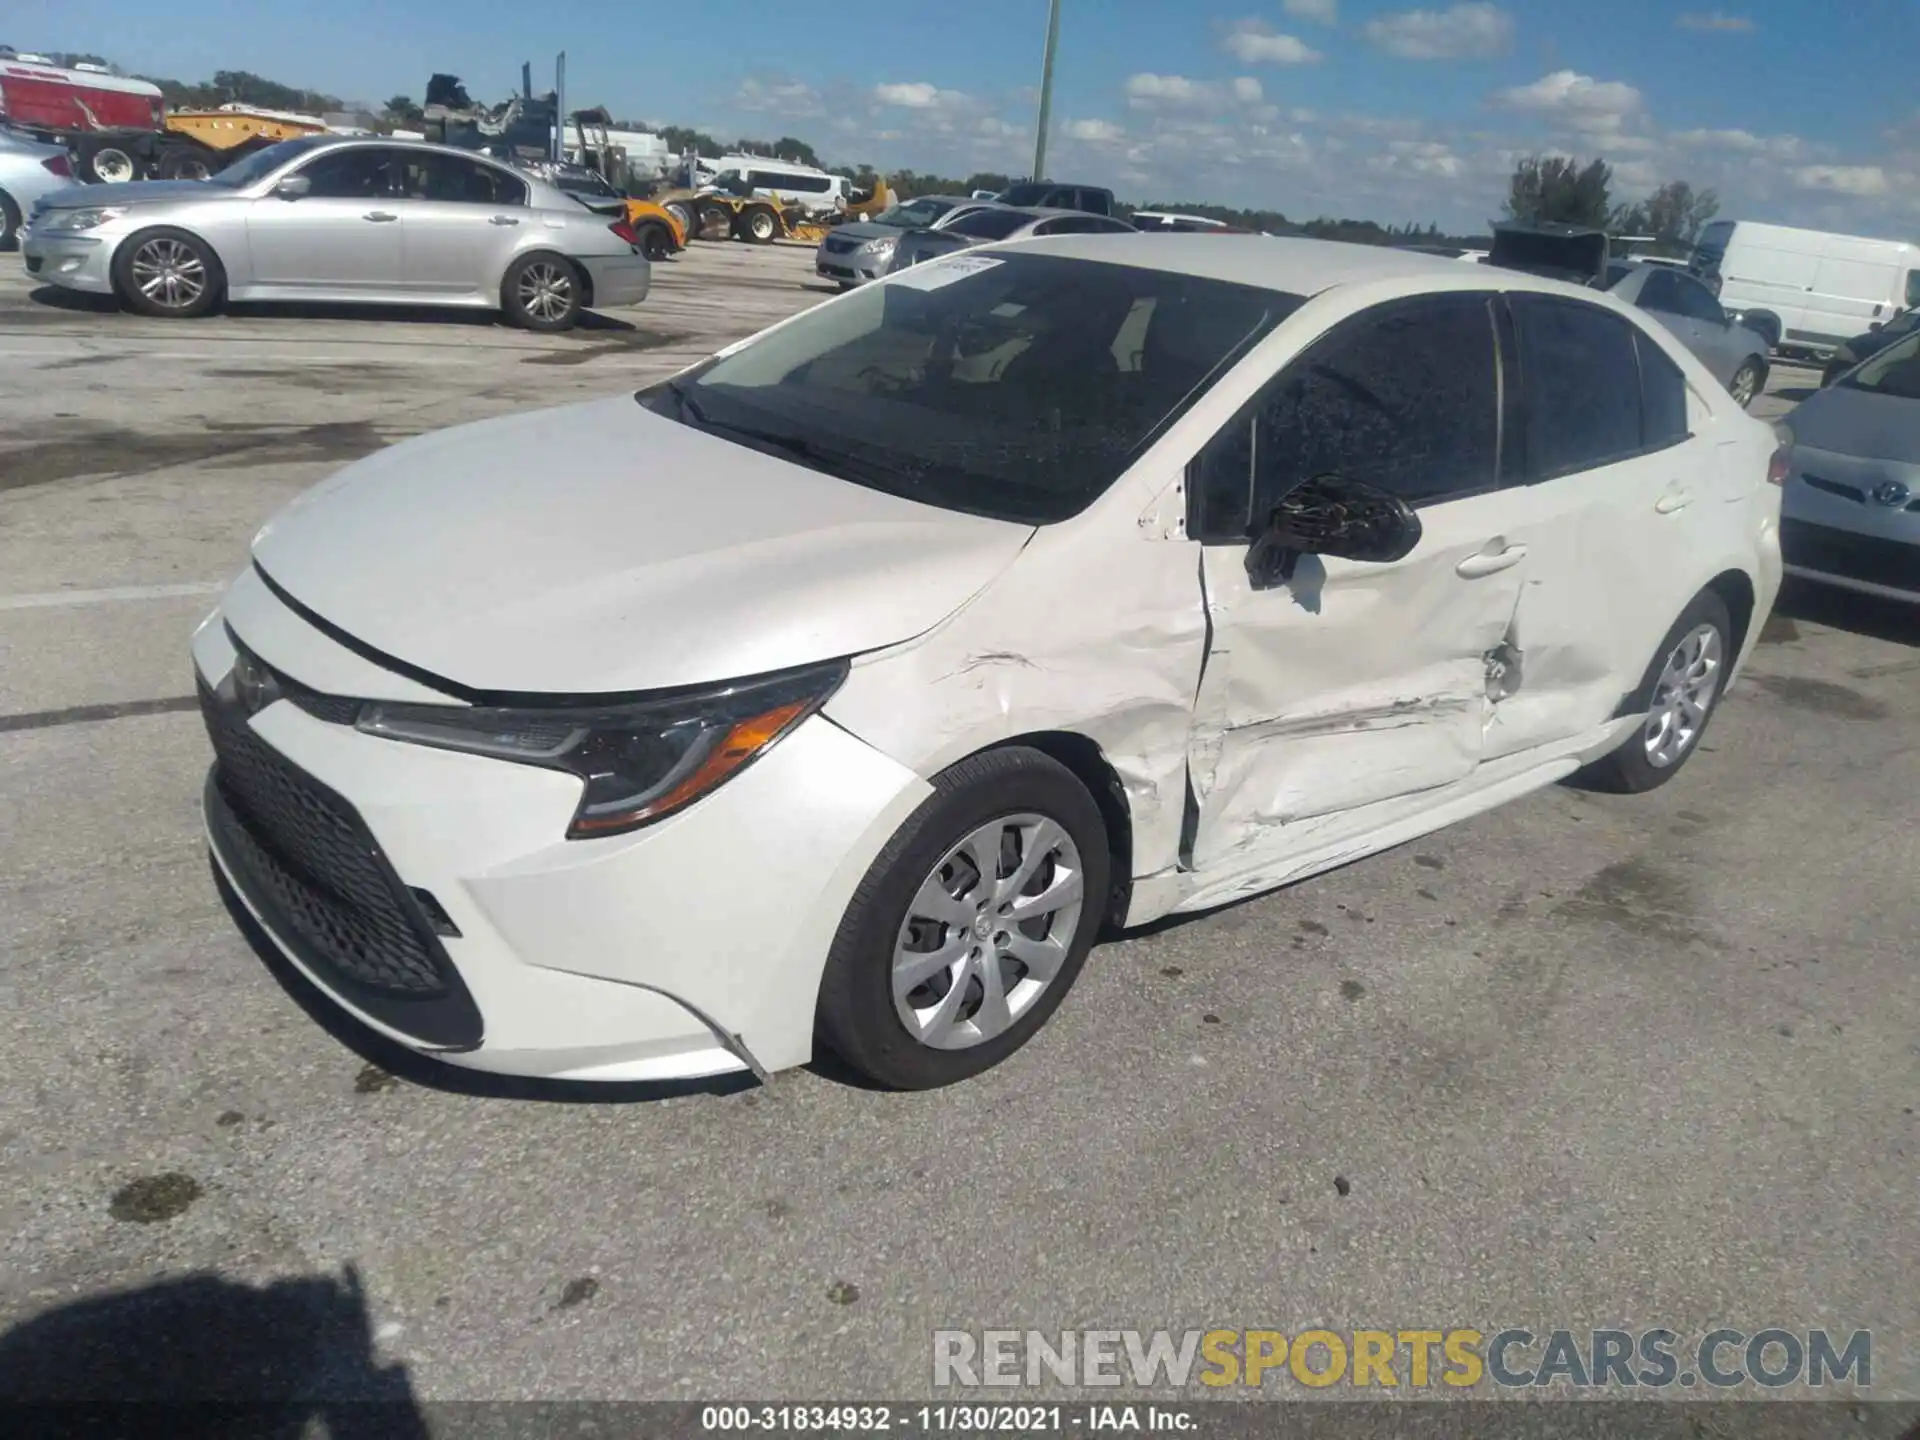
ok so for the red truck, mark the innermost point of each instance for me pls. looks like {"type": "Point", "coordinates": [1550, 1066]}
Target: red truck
{"type": "Point", "coordinates": [113, 125]}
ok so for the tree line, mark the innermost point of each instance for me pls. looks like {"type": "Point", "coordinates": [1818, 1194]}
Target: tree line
{"type": "Point", "coordinates": [1559, 189]}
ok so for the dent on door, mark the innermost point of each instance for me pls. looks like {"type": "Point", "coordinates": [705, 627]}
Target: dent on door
{"type": "Point", "coordinates": [1347, 686]}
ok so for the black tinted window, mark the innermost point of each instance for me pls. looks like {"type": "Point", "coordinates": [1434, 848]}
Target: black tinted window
{"type": "Point", "coordinates": [1696, 301]}
{"type": "Point", "coordinates": [1663, 396]}
{"type": "Point", "coordinates": [1021, 389]}
{"type": "Point", "coordinates": [359, 173]}
{"type": "Point", "coordinates": [990, 224]}
{"type": "Point", "coordinates": [432, 176]}
{"type": "Point", "coordinates": [1026, 194]}
{"type": "Point", "coordinates": [1583, 384]}
{"type": "Point", "coordinates": [1404, 397]}
{"type": "Point", "coordinates": [1661, 291]}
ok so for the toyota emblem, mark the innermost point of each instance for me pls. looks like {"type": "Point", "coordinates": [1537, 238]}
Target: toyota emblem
{"type": "Point", "coordinates": [1892, 494]}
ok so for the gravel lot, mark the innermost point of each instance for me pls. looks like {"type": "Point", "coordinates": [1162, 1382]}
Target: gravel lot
{"type": "Point", "coordinates": [1583, 1061]}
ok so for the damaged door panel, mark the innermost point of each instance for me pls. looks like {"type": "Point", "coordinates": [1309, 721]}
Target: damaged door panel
{"type": "Point", "coordinates": [1351, 682]}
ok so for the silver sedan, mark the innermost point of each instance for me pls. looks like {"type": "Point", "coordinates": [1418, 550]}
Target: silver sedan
{"type": "Point", "coordinates": [992, 223]}
{"type": "Point", "coordinates": [1736, 355]}
{"type": "Point", "coordinates": [341, 219]}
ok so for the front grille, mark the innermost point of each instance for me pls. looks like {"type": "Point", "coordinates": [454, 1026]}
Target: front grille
{"type": "Point", "coordinates": [839, 245]}
{"type": "Point", "coordinates": [1836, 487]}
{"type": "Point", "coordinates": [1827, 551]}
{"type": "Point", "coordinates": [837, 272]}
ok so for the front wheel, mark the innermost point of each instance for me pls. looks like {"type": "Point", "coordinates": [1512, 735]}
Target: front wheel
{"type": "Point", "coordinates": [970, 926]}
{"type": "Point", "coordinates": [542, 292]}
{"type": "Point", "coordinates": [655, 243]}
{"type": "Point", "coordinates": [169, 273]}
{"type": "Point", "coordinates": [1683, 686]}
{"type": "Point", "coordinates": [1747, 382]}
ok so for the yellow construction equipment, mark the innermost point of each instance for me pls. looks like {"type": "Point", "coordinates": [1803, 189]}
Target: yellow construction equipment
{"type": "Point", "coordinates": [196, 143]}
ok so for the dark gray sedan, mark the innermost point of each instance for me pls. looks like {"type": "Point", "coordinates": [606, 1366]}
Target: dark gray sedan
{"type": "Point", "coordinates": [860, 250]}
{"type": "Point", "coordinates": [1851, 512]}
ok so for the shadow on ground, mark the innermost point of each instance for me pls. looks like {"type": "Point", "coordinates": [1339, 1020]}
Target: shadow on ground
{"type": "Point", "coordinates": [53, 297]}
{"type": "Point", "coordinates": [1887, 620]}
{"type": "Point", "coordinates": [292, 1358]}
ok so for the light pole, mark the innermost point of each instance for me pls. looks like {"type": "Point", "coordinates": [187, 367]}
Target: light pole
{"type": "Point", "coordinates": [1046, 91]}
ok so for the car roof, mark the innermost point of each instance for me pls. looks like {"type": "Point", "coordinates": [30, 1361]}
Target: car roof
{"type": "Point", "coordinates": [1294, 266]}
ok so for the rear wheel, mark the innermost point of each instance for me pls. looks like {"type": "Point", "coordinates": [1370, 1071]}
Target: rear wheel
{"type": "Point", "coordinates": [9, 221]}
{"type": "Point", "coordinates": [716, 221]}
{"type": "Point", "coordinates": [111, 165]}
{"type": "Point", "coordinates": [542, 292]}
{"type": "Point", "coordinates": [970, 926]}
{"type": "Point", "coordinates": [1747, 382]}
{"type": "Point", "coordinates": [655, 242]}
{"type": "Point", "coordinates": [169, 273]}
{"type": "Point", "coordinates": [1682, 686]}
{"type": "Point", "coordinates": [180, 162]}
{"type": "Point", "coordinates": [758, 225]}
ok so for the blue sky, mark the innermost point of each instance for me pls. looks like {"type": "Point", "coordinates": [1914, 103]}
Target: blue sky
{"type": "Point", "coordinates": [1799, 112]}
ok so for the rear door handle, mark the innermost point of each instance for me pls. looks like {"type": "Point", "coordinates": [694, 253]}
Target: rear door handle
{"type": "Point", "coordinates": [379, 216]}
{"type": "Point", "coordinates": [1490, 562]}
{"type": "Point", "coordinates": [503, 220]}
{"type": "Point", "coordinates": [1672, 501]}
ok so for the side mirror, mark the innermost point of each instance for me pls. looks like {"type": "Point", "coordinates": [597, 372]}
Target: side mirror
{"type": "Point", "coordinates": [1332, 516]}
{"type": "Point", "coordinates": [293, 187]}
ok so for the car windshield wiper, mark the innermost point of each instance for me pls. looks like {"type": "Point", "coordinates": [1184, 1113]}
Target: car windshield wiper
{"type": "Point", "coordinates": [794, 447]}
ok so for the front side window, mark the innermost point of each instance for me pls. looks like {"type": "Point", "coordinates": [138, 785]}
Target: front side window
{"type": "Point", "coordinates": [362, 172]}
{"type": "Point", "coordinates": [913, 215]}
{"type": "Point", "coordinates": [1894, 371]}
{"type": "Point", "coordinates": [1583, 384]}
{"type": "Point", "coordinates": [1017, 386]}
{"type": "Point", "coordinates": [991, 224]}
{"type": "Point", "coordinates": [1405, 397]}
{"type": "Point", "coordinates": [262, 163]}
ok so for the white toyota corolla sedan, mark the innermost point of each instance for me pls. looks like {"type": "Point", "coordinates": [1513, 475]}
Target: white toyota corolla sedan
{"type": "Point", "coordinates": [840, 689]}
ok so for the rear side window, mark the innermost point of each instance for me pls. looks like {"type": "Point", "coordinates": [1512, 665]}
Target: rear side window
{"type": "Point", "coordinates": [1663, 397]}
{"type": "Point", "coordinates": [1583, 385]}
{"type": "Point", "coordinates": [1660, 291]}
{"type": "Point", "coordinates": [1697, 302]}
{"type": "Point", "coordinates": [990, 224]}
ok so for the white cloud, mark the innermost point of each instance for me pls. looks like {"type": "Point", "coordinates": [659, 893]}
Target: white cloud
{"type": "Point", "coordinates": [1461, 33]}
{"type": "Point", "coordinates": [1417, 157]}
{"type": "Point", "coordinates": [1177, 92]}
{"type": "Point", "coordinates": [779, 96]}
{"type": "Point", "coordinates": [1319, 12]}
{"type": "Point", "coordinates": [1568, 93]}
{"type": "Point", "coordinates": [916, 95]}
{"type": "Point", "coordinates": [1254, 42]}
{"type": "Point", "coordinates": [1714, 20]}
{"type": "Point", "coordinates": [1862, 182]}
{"type": "Point", "coordinates": [1094, 132]}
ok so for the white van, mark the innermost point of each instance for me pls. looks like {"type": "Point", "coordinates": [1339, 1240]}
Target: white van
{"type": "Point", "coordinates": [791, 184]}
{"type": "Point", "coordinates": [1806, 290]}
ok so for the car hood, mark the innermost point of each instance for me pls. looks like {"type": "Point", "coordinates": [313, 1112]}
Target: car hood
{"type": "Point", "coordinates": [599, 548]}
{"type": "Point", "coordinates": [1864, 423]}
{"type": "Point", "coordinates": [865, 230]}
{"type": "Point", "coordinates": [137, 192]}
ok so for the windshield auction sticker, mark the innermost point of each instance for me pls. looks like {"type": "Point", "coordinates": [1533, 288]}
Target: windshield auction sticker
{"type": "Point", "coordinates": [936, 273]}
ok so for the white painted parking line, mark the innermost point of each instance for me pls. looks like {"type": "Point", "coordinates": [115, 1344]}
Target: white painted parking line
{"type": "Point", "coordinates": [50, 598]}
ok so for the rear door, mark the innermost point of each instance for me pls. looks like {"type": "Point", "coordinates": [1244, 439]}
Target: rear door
{"type": "Point", "coordinates": [1616, 492]}
{"type": "Point", "coordinates": [343, 236]}
{"type": "Point", "coordinates": [464, 218]}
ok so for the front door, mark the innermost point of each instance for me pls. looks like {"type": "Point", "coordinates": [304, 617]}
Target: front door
{"type": "Point", "coordinates": [463, 219]}
{"type": "Point", "coordinates": [1352, 684]}
{"type": "Point", "coordinates": [342, 236]}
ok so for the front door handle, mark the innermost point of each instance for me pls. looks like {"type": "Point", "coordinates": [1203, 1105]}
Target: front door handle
{"type": "Point", "coordinates": [503, 220]}
{"type": "Point", "coordinates": [1672, 501]}
{"type": "Point", "coordinates": [1490, 562]}
{"type": "Point", "coordinates": [379, 216]}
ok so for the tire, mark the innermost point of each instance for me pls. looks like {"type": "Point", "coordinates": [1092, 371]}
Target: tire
{"type": "Point", "coordinates": [9, 222]}
{"type": "Point", "coordinates": [542, 292]}
{"type": "Point", "coordinates": [1747, 383]}
{"type": "Point", "coordinates": [1012, 791]}
{"type": "Point", "coordinates": [682, 212]}
{"type": "Point", "coordinates": [715, 221]}
{"type": "Point", "coordinates": [757, 225]}
{"type": "Point", "coordinates": [111, 165]}
{"type": "Point", "coordinates": [181, 162]}
{"type": "Point", "coordinates": [1633, 768]}
{"type": "Point", "coordinates": [169, 273]}
{"type": "Point", "coordinates": [655, 243]}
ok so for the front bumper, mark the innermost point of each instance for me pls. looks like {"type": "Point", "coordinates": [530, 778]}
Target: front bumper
{"type": "Point", "coordinates": [1836, 528]}
{"type": "Point", "coordinates": [617, 280]}
{"type": "Point", "coordinates": [690, 948]}
{"type": "Point", "coordinates": [77, 262]}
{"type": "Point", "coordinates": [850, 267]}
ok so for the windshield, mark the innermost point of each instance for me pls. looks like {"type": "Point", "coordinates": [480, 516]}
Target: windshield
{"type": "Point", "coordinates": [1894, 371]}
{"type": "Point", "coordinates": [1018, 386]}
{"type": "Point", "coordinates": [262, 163]}
{"type": "Point", "coordinates": [913, 214]}
{"type": "Point", "coordinates": [990, 224]}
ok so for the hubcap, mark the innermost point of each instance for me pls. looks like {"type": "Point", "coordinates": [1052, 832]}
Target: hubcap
{"type": "Point", "coordinates": [987, 932]}
{"type": "Point", "coordinates": [169, 273]}
{"type": "Point", "coordinates": [113, 166]}
{"type": "Point", "coordinates": [546, 291]}
{"type": "Point", "coordinates": [1683, 696]}
{"type": "Point", "coordinates": [1744, 384]}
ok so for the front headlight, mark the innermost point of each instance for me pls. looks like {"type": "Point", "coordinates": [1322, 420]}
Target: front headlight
{"type": "Point", "coordinates": [638, 763]}
{"type": "Point", "coordinates": [881, 249]}
{"type": "Point", "coordinates": [90, 218]}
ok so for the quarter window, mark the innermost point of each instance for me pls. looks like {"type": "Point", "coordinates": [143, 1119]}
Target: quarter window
{"type": "Point", "coordinates": [1663, 396]}
{"type": "Point", "coordinates": [1404, 397]}
{"type": "Point", "coordinates": [1583, 385]}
